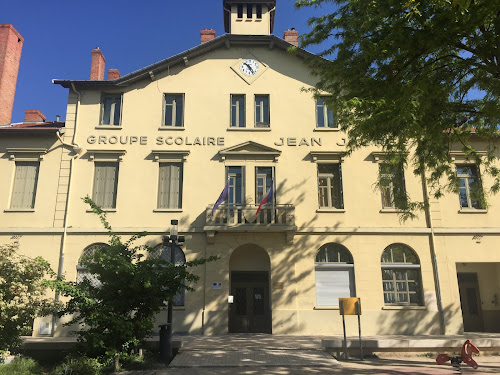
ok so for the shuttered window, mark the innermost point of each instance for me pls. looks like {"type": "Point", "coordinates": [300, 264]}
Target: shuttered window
{"type": "Point", "coordinates": [170, 185]}
{"type": "Point", "coordinates": [334, 271]}
{"type": "Point", "coordinates": [25, 183]}
{"type": "Point", "coordinates": [105, 184]}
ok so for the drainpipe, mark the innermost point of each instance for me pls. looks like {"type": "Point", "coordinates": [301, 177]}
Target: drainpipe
{"type": "Point", "coordinates": [432, 243]}
{"type": "Point", "coordinates": [77, 150]}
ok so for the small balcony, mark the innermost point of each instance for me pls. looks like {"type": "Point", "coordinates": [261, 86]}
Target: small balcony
{"type": "Point", "coordinates": [243, 218]}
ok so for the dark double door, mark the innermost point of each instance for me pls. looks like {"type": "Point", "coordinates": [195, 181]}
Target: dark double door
{"type": "Point", "coordinates": [250, 311]}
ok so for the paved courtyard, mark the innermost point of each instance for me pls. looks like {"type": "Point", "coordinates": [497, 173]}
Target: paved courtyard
{"type": "Point", "coordinates": [294, 355]}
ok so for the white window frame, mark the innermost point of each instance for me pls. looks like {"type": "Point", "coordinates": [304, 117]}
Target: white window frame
{"type": "Point", "coordinates": [112, 109]}
{"type": "Point", "coordinates": [159, 252]}
{"type": "Point", "coordinates": [236, 108]}
{"type": "Point", "coordinates": [329, 185]}
{"type": "Point", "coordinates": [402, 267]}
{"type": "Point", "coordinates": [175, 110]}
{"type": "Point", "coordinates": [259, 109]}
{"type": "Point", "coordinates": [392, 185]}
{"type": "Point", "coordinates": [332, 267]}
{"type": "Point", "coordinates": [466, 178]}
{"type": "Point", "coordinates": [325, 110]}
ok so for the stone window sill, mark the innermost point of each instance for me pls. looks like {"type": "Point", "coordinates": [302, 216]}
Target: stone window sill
{"type": "Point", "coordinates": [472, 211]}
{"type": "Point", "coordinates": [173, 128]}
{"type": "Point", "coordinates": [109, 127]}
{"type": "Point", "coordinates": [331, 210]}
{"type": "Point", "coordinates": [19, 210]}
{"type": "Point", "coordinates": [167, 210]}
{"type": "Point", "coordinates": [403, 307]}
{"type": "Point", "coordinates": [237, 129]}
{"type": "Point", "coordinates": [103, 210]}
{"type": "Point", "coordinates": [325, 308]}
{"type": "Point", "coordinates": [326, 129]}
{"type": "Point", "coordinates": [390, 210]}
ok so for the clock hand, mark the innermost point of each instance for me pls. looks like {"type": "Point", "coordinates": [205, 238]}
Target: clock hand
{"type": "Point", "coordinates": [249, 67]}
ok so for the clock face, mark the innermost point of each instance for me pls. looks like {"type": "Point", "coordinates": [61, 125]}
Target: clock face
{"type": "Point", "coordinates": [249, 67]}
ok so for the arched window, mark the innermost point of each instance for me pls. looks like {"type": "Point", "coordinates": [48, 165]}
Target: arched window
{"type": "Point", "coordinates": [163, 252]}
{"type": "Point", "coordinates": [401, 276]}
{"type": "Point", "coordinates": [334, 271]}
{"type": "Point", "coordinates": [81, 271]}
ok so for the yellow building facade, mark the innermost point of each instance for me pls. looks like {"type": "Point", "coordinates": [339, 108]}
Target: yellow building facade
{"type": "Point", "coordinates": [162, 143]}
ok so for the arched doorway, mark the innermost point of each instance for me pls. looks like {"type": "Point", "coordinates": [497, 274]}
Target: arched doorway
{"type": "Point", "coordinates": [250, 311]}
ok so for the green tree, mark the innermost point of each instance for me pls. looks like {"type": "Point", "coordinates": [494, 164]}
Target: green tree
{"type": "Point", "coordinates": [414, 77]}
{"type": "Point", "coordinates": [116, 304]}
{"type": "Point", "coordinates": [22, 295]}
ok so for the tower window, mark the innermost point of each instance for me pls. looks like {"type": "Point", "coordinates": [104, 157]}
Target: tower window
{"type": "Point", "coordinates": [240, 11]}
{"type": "Point", "coordinates": [259, 11]}
{"type": "Point", "coordinates": [249, 10]}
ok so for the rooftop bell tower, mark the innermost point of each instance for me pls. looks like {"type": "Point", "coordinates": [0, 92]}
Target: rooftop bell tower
{"type": "Point", "coordinates": [250, 17]}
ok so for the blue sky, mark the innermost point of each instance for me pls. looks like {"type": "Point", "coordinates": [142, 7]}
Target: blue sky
{"type": "Point", "coordinates": [59, 36]}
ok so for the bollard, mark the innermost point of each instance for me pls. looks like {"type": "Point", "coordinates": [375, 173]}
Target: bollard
{"type": "Point", "coordinates": [165, 345]}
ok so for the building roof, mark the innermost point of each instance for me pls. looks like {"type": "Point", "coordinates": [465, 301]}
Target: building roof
{"type": "Point", "coordinates": [38, 128]}
{"type": "Point", "coordinates": [226, 40]}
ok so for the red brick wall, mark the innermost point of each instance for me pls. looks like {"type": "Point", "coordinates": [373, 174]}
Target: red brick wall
{"type": "Point", "coordinates": [97, 66]}
{"type": "Point", "coordinates": [11, 45]}
{"type": "Point", "coordinates": [33, 115]}
{"type": "Point", "coordinates": [292, 37]}
{"type": "Point", "coordinates": [207, 35]}
{"type": "Point", "coordinates": [113, 74]}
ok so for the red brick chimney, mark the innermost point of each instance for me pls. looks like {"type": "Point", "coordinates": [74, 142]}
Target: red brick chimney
{"type": "Point", "coordinates": [33, 115]}
{"type": "Point", "coordinates": [207, 35]}
{"type": "Point", "coordinates": [292, 37]}
{"type": "Point", "coordinates": [11, 45]}
{"type": "Point", "coordinates": [97, 65]}
{"type": "Point", "coordinates": [113, 74]}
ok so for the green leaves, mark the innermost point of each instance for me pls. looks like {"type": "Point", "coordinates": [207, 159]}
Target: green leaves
{"type": "Point", "coordinates": [421, 75]}
{"type": "Point", "coordinates": [115, 304]}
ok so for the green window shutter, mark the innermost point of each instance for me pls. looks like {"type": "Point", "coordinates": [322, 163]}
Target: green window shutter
{"type": "Point", "coordinates": [25, 183]}
{"type": "Point", "coordinates": [105, 184]}
{"type": "Point", "coordinates": [170, 185]}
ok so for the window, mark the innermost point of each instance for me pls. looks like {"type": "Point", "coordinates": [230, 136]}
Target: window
{"type": "Point", "coordinates": [263, 179]}
{"type": "Point", "coordinates": [249, 10]}
{"type": "Point", "coordinates": [259, 11]}
{"type": "Point", "coordinates": [401, 276]}
{"type": "Point", "coordinates": [105, 184]}
{"type": "Point", "coordinates": [262, 111]}
{"type": "Point", "coordinates": [111, 105]}
{"type": "Point", "coordinates": [238, 111]}
{"type": "Point", "coordinates": [25, 184]}
{"type": "Point", "coordinates": [164, 253]}
{"type": "Point", "coordinates": [324, 116]}
{"type": "Point", "coordinates": [330, 186]}
{"type": "Point", "coordinates": [240, 10]}
{"type": "Point", "coordinates": [470, 189]}
{"type": "Point", "coordinates": [82, 273]}
{"type": "Point", "coordinates": [170, 185]}
{"type": "Point", "coordinates": [392, 186]}
{"type": "Point", "coordinates": [236, 186]}
{"type": "Point", "coordinates": [174, 110]}
{"type": "Point", "coordinates": [334, 271]}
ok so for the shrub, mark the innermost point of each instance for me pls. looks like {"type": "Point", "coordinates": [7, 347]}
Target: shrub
{"type": "Point", "coordinates": [21, 366]}
{"type": "Point", "coordinates": [22, 294]}
{"type": "Point", "coordinates": [78, 366]}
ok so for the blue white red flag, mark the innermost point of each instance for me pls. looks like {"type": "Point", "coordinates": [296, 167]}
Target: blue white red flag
{"type": "Point", "coordinates": [267, 198]}
{"type": "Point", "coordinates": [223, 197]}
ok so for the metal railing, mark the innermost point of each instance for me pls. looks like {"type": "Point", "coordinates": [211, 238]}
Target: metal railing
{"type": "Point", "coordinates": [279, 214]}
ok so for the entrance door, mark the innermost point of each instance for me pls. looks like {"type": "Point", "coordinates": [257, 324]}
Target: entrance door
{"type": "Point", "coordinates": [250, 312]}
{"type": "Point", "coordinates": [470, 302]}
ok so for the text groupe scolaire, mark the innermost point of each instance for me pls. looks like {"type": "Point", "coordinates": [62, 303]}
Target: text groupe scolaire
{"type": "Point", "coordinates": [190, 141]}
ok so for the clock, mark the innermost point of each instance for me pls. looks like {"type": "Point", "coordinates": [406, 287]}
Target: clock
{"type": "Point", "coordinates": [249, 67]}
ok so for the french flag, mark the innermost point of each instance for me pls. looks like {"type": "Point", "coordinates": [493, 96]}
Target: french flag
{"type": "Point", "coordinates": [267, 198]}
{"type": "Point", "coordinates": [223, 197]}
